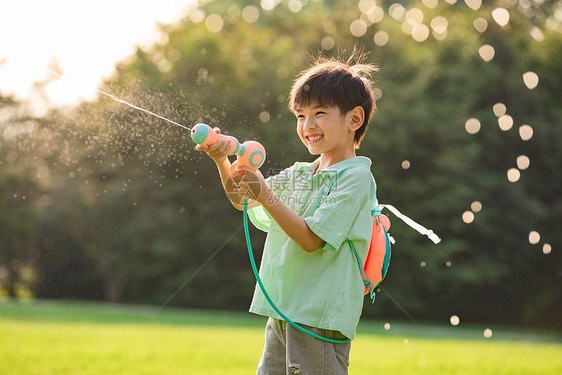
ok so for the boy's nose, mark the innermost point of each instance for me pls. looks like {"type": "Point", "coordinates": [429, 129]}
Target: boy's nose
{"type": "Point", "coordinates": [309, 123]}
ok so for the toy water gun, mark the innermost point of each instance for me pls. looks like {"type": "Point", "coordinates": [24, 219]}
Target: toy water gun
{"type": "Point", "coordinates": [249, 154]}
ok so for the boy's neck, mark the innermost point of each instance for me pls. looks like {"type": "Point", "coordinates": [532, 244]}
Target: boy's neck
{"type": "Point", "coordinates": [329, 159]}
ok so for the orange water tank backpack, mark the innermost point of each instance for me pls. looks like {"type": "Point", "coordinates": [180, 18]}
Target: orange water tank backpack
{"type": "Point", "coordinates": [375, 267]}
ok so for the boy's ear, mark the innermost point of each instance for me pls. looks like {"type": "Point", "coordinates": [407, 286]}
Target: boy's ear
{"type": "Point", "coordinates": [357, 118]}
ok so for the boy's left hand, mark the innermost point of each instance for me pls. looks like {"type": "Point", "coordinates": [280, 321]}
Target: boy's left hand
{"type": "Point", "coordinates": [249, 184]}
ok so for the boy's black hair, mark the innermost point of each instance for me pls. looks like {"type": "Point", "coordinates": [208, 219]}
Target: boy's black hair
{"type": "Point", "coordinates": [331, 82]}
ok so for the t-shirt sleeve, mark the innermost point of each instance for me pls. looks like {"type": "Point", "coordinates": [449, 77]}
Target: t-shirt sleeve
{"type": "Point", "coordinates": [278, 183]}
{"type": "Point", "coordinates": [334, 218]}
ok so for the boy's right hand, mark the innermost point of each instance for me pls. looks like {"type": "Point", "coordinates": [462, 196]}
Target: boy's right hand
{"type": "Point", "coordinates": [217, 151]}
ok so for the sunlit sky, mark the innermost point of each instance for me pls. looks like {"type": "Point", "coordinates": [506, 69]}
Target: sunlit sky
{"type": "Point", "coordinates": [85, 38]}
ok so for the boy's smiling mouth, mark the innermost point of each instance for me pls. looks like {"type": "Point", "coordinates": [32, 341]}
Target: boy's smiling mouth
{"type": "Point", "coordinates": [313, 138]}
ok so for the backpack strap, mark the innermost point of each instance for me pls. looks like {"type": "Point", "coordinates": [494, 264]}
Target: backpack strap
{"type": "Point", "coordinates": [375, 210]}
{"type": "Point", "coordinates": [420, 228]}
{"type": "Point", "coordinates": [366, 281]}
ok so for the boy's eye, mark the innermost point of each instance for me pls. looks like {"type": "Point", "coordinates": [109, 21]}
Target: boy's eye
{"type": "Point", "coordinates": [320, 113]}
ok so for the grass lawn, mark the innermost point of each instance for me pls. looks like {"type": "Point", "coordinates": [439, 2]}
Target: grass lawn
{"type": "Point", "coordinates": [45, 337]}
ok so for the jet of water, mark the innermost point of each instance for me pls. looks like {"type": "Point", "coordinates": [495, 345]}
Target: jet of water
{"type": "Point", "coordinates": [129, 104]}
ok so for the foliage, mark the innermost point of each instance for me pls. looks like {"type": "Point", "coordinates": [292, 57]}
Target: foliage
{"type": "Point", "coordinates": [118, 206]}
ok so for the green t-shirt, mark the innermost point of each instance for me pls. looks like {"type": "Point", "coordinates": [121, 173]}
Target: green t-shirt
{"type": "Point", "coordinates": [324, 288]}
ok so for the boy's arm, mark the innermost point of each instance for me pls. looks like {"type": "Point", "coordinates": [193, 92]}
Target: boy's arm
{"type": "Point", "coordinates": [219, 153]}
{"type": "Point", "coordinates": [253, 184]}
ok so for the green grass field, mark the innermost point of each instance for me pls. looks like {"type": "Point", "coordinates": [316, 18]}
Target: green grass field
{"type": "Point", "coordinates": [40, 338]}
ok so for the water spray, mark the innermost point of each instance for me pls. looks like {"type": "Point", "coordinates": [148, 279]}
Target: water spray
{"type": "Point", "coordinates": [249, 154]}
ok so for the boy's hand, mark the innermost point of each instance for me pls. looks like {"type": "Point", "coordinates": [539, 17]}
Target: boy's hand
{"type": "Point", "coordinates": [249, 184]}
{"type": "Point", "coordinates": [217, 151]}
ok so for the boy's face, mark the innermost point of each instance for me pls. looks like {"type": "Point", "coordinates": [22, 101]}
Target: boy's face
{"type": "Point", "coordinates": [323, 129]}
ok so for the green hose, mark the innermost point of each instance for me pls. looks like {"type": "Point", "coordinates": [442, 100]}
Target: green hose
{"type": "Point", "coordinates": [253, 262]}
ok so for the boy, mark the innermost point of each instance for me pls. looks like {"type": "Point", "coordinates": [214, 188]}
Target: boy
{"type": "Point", "coordinates": [310, 210]}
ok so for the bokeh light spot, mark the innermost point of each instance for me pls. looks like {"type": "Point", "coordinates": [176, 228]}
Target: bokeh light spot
{"type": "Point", "coordinates": [499, 109]}
{"type": "Point", "coordinates": [487, 52]}
{"type": "Point", "coordinates": [358, 28]}
{"type": "Point", "coordinates": [405, 164]}
{"type": "Point", "coordinates": [505, 122]}
{"type": "Point", "coordinates": [523, 162]}
{"type": "Point", "coordinates": [473, 4]}
{"type": "Point", "coordinates": [295, 6]}
{"type": "Point", "coordinates": [397, 11]}
{"type": "Point", "coordinates": [513, 175]}
{"type": "Point", "coordinates": [381, 38]}
{"type": "Point", "coordinates": [264, 116]}
{"type": "Point", "coordinates": [487, 333]}
{"type": "Point", "coordinates": [472, 126]}
{"type": "Point", "coordinates": [455, 320]}
{"type": "Point", "coordinates": [536, 34]}
{"type": "Point", "coordinates": [214, 23]}
{"type": "Point", "coordinates": [268, 5]}
{"type": "Point", "coordinates": [375, 15]}
{"type": "Point", "coordinates": [546, 248]}
{"type": "Point", "coordinates": [468, 217]}
{"type": "Point", "coordinates": [525, 132]}
{"type": "Point", "coordinates": [250, 14]}
{"type": "Point", "coordinates": [439, 24]}
{"type": "Point", "coordinates": [366, 5]}
{"type": "Point", "coordinates": [480, 24]}
{"type": "Point", "coordinates": [420, 33]}
{"type": "Point", "coordinates": [501, 16]}
{"type": "Point", "coordinates": [534, 237]}
{"type": "Point", "coordinates": [431, 4]}
{"type": "Point", "coordinates": [328, 43]}
{"type": "Point", "coordinates": [476, 206]}
{"type": "Point", "coordinates": [415, 15]}
{"type": "Point", "coordinates": [531, 80]}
